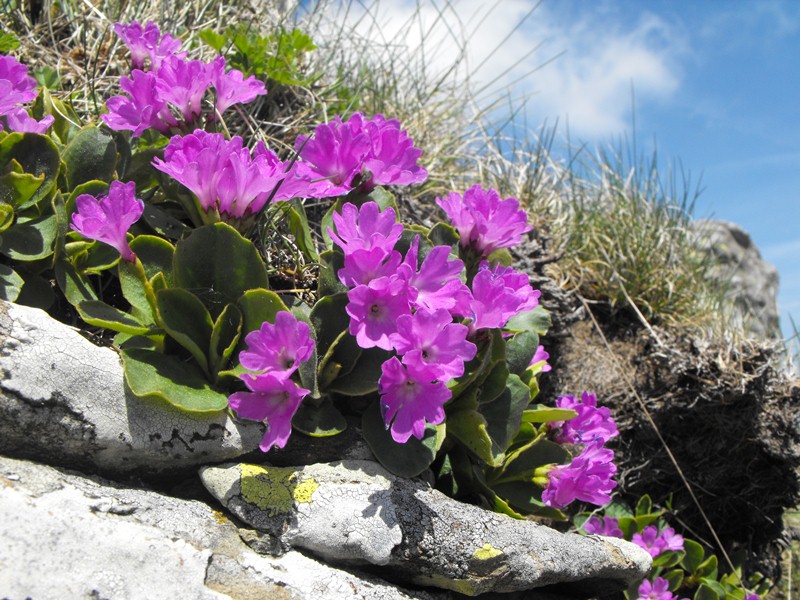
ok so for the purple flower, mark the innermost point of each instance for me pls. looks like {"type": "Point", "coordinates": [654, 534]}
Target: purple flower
{"type": "Point", "coordinates": [273, 399]}
{"type": "Point", "coordinates": [278, 348]}
{"type": "Point", "coordinates": [146, 42]}
{"type": "Point", "coordinates": [410, 396]}
{"type": "Point", "coordinates": [16, 86]}
{"type": "Point", "coordinates": [142, 109]}
{"type": "Point", "coordinates": [592, 424]}
{"type": "Point", "coordinates": [108, 218]}
{"type": "Point", "coordinates": [374, 309]}
{"type": "Point", "coordinates": [183, 83]}
{"type": "Point", "coordinates": [224, 176]}
{"type": "Point", "coordinates": [432, 339]}
{"type": "Point", "coordinates": [656, 542]}
{"type": "Point", "coordinates": [359, 153]}
{"type": "Point", "coordinates": [362, 266]}
{"type": "Point", "coordinates": [484, 221]}
{"type": "Point", "coordinates": [608, 526]}
{"type": "Point", "coordinates": [586, 478]}
{"type": "Point", "coordinates": [231, 87]}
{"type": "Point", "coordinates": [436, 283]}
{"type": "Point", "coordinates": [365, 228]}
{"type": "Point", "coordinates": [18, 119]}
{"type": "Point", "coordinates": [499, 294]}
{"type": "Point", "coordinates": [540, 356]}
{"type": "Point", "coordinates": [657, 590]}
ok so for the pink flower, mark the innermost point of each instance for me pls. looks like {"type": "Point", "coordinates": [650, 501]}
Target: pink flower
{"type": "Point", "coordinates": [362, 266]}
{"type": "Point", "coordinates": [359, 153]}
{"type": "Point", "coordinates": [436, 283]}
{"type": "Point", "coordinates": [18, 119]}
{"type": "Point", "coordinates": [16, 86]}
{"type": "Point", "coordinates": [592, 424]}
{"type": "Point", "coordinates": [272, 399]}
{"type": "Point", "coordinates": [586, 478]}
{"type": "Point", "coordinates": [608, 526]}
{"type": "Point", "coordinates": [224, 176]}
{"type": "Point", "coordinates": [657, 590]}
{"type": "Point", "coordinates": [278, 348]}
{"type": "Point", "coordinates": [374, 309]}
{"type": "Point", "coordinates": [410, 396]}
{"type": "Point", "coordinates": [142, 109]}
{"type": "Point", "coordinates": [146, 42]}
{"type": "Point", "coordinates": [432, 339]}
{"type": "Point", "coordinates": [540, 356]}
{"type": "Point", "coordinates": [484, 221]}
{"type": "Point", "coordinates": [656, 542]}
{"type": "Point", "coordinates": [499, 294]}
{"type": "Point", "coordinates": [365, 228]}
{"type": "Point", "coordinates": [231, 87]}
{"type": "Point", "coordinates": [108, 218]}
{"type": "Point", "coordinates": [183, 83]}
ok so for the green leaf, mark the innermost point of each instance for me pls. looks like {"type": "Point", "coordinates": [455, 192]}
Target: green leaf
{"type": "Point", "coordinates": [47, 77]}
{"type": "Point", "coordinates": [469, 427]}
{"type": "Point", "coordinates": [546, 414]}
{"type": "Point", "coordinates": [443, 234]}
{"type": "Point", "coordinates": [504, 415]}
{"type": "Point", "coordinates": [10, 284]}
{"type": "Point", "coordinates": [137, 289]}
{"type": "Point", "coordinates": [218, 265]}
{"type": "Point", "coordinates": [708, 568]}
{"type": "Point", "coordinates": [363, 378]}
{"type": "Point", "coordinates": [537, 320]}
{"type": "Point", "coordinates": [213, 39]}
{"type": "Point", "coordinates": [163, 223]}
{"type": "Point", "coordinates": [308, 369]}
{"type": "Point", "coordinates": [644, 506]}
{"type": "Point", "coordinates": [74, 284]}
{"type": "Point", "coordinates": [404, 460]}
{"type": "Point", "coordinates": [330, 263]}
{"type": "Point", "coordinates": [155, 254]}
{"type": "Point", "coordinates": [184, 317]}
{"type": "Point", "coordinates": [30, 238]}
{"type": "Point", "coordinates": [17, 189]}
{"type": "Point", "coordinates": [523, 461]}
{"type": "Point", "coordinates": [91, 155]}
{"type": "Point", "coordinates": [323, 420]}
{"type": "Point", "coordinates": [8, 42]}
{"type": "Point", "coordinates": [166, 377]}
{"type": "Point", "coordinates": [705, 592]}
{"type": "Point", "coordinates": [693, 557]}
{"type": "Point", "coordinates": [36, 291]}
{"type": "Point", "coordinates": [330, 320]}
{"type": "Point", "coordinates": [258, 307]}
{"type": "Point", "coordinates": [298, 225]}
{"type": "Point", "coordinates": [66, 123]}
{"type": "Point", "coordinates": [37, 155]}
{"type": "Point", "coordinates": [520, 350]}
{"type": "Point", "coordinates": [667, 559]}
{"type": "Point", "coordinates": [224, 337]}
{"type": "Point", "coordinates": [6, 216]}
{"type": "Point", "coordinates": [675, 578]}
{"type": "Point", "coordinates": [101, 314]}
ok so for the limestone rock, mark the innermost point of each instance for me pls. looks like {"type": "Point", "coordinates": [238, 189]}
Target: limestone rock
{"type": "Point", "coordinates": [63, 401]}
{"type": "Point", "coordinates": [66, 536]}
{"type": "Point", "coordinates": [751, 282]}
{"type": "Point", "coordinates": [355, 512]}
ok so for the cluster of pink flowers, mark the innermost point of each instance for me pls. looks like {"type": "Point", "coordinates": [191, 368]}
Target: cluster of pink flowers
{"type": "Point", "coordinates": [172, 85]}
{"type": "Point", "coordinates": [275, 352]}
{"type": "Point", "coordinates": [17, 88]}
{"type": "Point", "coordinates": [226, 178]}
{"type": "Point", "coordinates": [589, 476]}
{"type": "Point", "coordinates": [484, 221]}
{"type": "Point", "coordinates": [359, 153]}
{"type": "Point", "coordinates": [658, 589]}
{"type": "Point", "coordinates": [656, 542]}
{"type": "Point", "coordinates": [413, 306]}
{"type": "Point", "coordinates": [108, 218]}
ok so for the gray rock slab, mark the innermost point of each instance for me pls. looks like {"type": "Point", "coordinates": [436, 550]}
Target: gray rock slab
{"type": "Point", "coordinates": [355, 512]}
{"type": "Point", "coordinates": [63, 401]}
{"type": "Point", "coordinates": [67, 536]}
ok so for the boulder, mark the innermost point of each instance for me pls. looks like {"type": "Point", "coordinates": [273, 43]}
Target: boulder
{"type": "Point", "coordinates": [357, 513]}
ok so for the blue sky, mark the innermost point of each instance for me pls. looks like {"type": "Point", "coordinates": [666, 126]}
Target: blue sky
{"type": "Point", "coordinates": [717, 86]}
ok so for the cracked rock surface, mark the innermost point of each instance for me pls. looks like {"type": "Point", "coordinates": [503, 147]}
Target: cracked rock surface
{"type": "Point", "coordinates": [63, 401]}
{"type": "Point", "coordinates": [67, 536]}
{"type": "Point", "coordinates": [355, 512]}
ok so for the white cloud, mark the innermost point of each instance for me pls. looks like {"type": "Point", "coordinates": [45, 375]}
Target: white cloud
{"type": "Point", "coordinates": [579, 68]}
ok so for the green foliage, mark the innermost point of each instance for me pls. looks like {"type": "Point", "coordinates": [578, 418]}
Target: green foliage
{"type": "Point", "coordinates": [278, 56]}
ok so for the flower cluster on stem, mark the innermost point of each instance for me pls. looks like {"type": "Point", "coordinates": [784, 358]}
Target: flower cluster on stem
{"type": "Point", "coordinates": [17, 88]}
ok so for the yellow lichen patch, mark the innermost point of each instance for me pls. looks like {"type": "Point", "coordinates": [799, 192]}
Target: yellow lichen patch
{"type": "Point", "coordinates": [220, 517]}
{"type": "Point", "coordinates": [486, 552]}
{"type": "Point", "coordinates": [275, 489]}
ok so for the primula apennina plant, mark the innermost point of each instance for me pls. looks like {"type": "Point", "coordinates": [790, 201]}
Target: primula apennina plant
{"type": "Point", "coordinates": [429, 336]}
